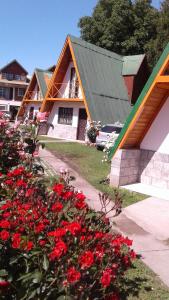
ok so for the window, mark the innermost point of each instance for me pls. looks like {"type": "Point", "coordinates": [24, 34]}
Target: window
{"type": "Point", "coordinates": [65, 115]}
{"type": "Point", "coordinates": [9, 76]}
{"type": "Point", "coordinates": [17, 77]}
{"type": "Point", "coordinates": [3, 108]}
{"type": "Point", "coordinates": [21, 92]}
{"type": "Point", "coordinates": [74, 85]}
{"type": "Point", "coordinates": [2, 92]}
{"type": "Point", "coordinates": [4, 75]}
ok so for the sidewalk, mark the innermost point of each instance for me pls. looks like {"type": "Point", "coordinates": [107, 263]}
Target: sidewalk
{"type": "Point", "coordinates": [155, 252]}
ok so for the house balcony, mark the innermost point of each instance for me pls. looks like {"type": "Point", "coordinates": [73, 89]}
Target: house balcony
{"type": "Point", "coordinates": [33, 96]}
{"type": "Point", "coordinates": [65, 91]}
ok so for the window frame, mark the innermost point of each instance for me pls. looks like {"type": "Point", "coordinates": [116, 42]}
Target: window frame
{"type": "Point", "coordinates": [65, 115]}
{"type": "Point", "coordinates": [21, 95]}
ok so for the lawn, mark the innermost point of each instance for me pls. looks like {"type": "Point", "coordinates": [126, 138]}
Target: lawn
{"type": "Point", "coordinates": [87, 161]}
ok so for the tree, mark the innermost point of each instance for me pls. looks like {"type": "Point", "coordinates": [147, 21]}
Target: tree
{"type": "Point", "coordinates": [121, 26]}
{"type": "Point", "coordinates": [110, 25]}
{"type": "Point", "coordinates": [157, 45]}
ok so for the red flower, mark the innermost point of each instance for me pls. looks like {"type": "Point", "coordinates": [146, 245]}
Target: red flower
{"type": "Point", "coordinates": [4, 235]}
{"type": "Point", "coordinates": [39, 228]}
{"type": "Point", "coordinates": [99, 252]}
{"type": "Point", "coordinates": [58, 188]}
{"type": "Point", "coordinates": [133, 254]}
{"type": "Point", "coordinates": [9, 181]}
{"type": "Point", "coordinates": [29, 192]}
{"type": "Point", "coordinates": [42, 243]}
{"type": "Point", "coordinates": [80, 204]}
{"type": "Point", "coordinates": [4, 283]}
{"type": "Point", "coordinates": [60, 248]}
{"type": "Point", "coordinates": [86, 259]}
{"type": "Point", "coordinates": [29, 245]}
{"type": "Point", "coordinates": [106, 277]}
{"type": "Point", "coordinates": [58, 233]}
{"type": "Point", "coordinates": [74, 228]}
{"type": "Point", "coordinates": [68, 195]}
{"type": "Point", "coordinates": [6, 214]}
{"type": "Point", "coordinates": [127, 241]}
{"type": "Point", "coordinates": [5, 224]}
{"type": "Point", "coordinates": [73, 275]}
{"type": "Point", "coordinates": [80, 196]}
{"type": "Point", "coordinates": [57, 207]}
{"type": "Point", "coordinates": [21, 183]}
{"type": "Point", "coordinates": [16, 240]}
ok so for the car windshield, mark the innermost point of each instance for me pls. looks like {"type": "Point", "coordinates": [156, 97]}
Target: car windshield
{"type": "Point", "coordinates": [110, 129]}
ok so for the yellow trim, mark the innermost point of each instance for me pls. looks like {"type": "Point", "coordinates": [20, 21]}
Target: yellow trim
{"type": "Point", "coordinates": [65, 99]}
{"type": "Point", "coordinates": [163, 79]}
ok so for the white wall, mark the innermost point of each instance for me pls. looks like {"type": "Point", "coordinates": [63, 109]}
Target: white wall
{"type": "Point", "coordinates": [157, 137]}
{"type": "Point", "coordinates": [64, 88]}
{"type": "Point", "coordinates": [36, 107]}
{"type": "Point", "coordinates": [62, 130]}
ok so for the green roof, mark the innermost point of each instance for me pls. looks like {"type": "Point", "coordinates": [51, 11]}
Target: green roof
{"type": "Point", "coordinates": [140, 99]}
{"type": "Point", "coordinates": [132, 63]}
{"type": "Point", "coordinates": [102, 79]}
{"type": "Point", "coordinates": [40, 75]}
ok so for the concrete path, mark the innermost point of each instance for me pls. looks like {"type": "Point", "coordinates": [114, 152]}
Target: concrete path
{"type": "Point", "coordinates": [148, 190]}
{"type": "Point", "coordinates": [140, 221]}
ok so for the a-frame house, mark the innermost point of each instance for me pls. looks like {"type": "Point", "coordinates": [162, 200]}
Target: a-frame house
{"type": "Point", "coordinates": [34, 94]}
{"type": "Point", "coordinates": [141, 152]}
{"type": "Point", "coordinates": [91, 83]}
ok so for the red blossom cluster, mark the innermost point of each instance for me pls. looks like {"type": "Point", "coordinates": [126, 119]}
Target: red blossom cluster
{"type": "Point", "coordinates": [57, 223]}
{"type": "Point", "coordinates": [52, 244]}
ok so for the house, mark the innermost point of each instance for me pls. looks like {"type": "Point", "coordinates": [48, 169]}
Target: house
{"type": "Point", "coordinates": [13, 84]}
{"type": "Point", "coordinates": [35, 94]}
{"type": "Point", "coordinates": [141, 152]}
{"type": "Point", "coordinates": [91, 83]}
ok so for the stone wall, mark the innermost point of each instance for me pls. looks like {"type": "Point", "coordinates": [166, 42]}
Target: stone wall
{"type": "Point", "coordinates": [125, 167]}
{"type": "Point", "coordinates": [63, 131]}
{"type": "Point", "coordinates": [154, 168]}
{"type": "Point", "coordinates": [134, 165]}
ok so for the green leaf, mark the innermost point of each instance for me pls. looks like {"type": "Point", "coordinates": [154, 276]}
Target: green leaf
{"type": "Point", "coordinates": [45, 263]}
{"type": "Point", "coordinates": [3, 272]}
{"type": "Point", "coordinates": [32, 295]}
{"type": "Point", "coordinates": [37, 277]}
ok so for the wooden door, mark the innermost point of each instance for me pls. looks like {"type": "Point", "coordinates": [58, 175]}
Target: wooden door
{"type": "Point", "coordinates": [82, 124]}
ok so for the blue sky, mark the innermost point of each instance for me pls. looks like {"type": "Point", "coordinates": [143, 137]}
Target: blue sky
{"type": "Point", "coordinates": [33, 31]}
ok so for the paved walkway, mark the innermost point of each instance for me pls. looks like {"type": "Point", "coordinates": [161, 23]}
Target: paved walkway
{"type": "Point", "coordinates": [136, 221]}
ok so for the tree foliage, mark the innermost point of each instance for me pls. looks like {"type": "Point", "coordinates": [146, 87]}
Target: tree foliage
{"type": "Point", "coordinates": [127, 27]}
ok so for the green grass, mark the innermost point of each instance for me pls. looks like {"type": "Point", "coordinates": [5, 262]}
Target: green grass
{"type": "Point", "coordinates": [87, 161]}
{"type": "Point", "coordinates": [142, 283]}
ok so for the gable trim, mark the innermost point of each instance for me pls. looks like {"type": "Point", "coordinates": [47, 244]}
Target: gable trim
{"type": "Point", "coordinates": [134, 115]}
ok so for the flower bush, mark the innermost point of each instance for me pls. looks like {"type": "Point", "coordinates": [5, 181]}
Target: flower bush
{"type": "Point", "coordinates": [53, 246]}
{"type": "Point", "coordinates": [93, 130]}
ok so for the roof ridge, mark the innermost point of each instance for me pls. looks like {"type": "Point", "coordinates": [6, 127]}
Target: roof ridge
{"type": "Point", "coordinates": [98, 48]}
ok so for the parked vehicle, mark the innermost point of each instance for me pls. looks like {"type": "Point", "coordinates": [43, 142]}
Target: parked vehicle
{"type": "Point", "coordinates": [105, 133]}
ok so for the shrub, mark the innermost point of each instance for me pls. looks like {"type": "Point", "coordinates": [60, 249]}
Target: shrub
{"type": "Point", "coordinates": [53, 245]}
{"type": "Point", "coordinates": [93, 130]}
